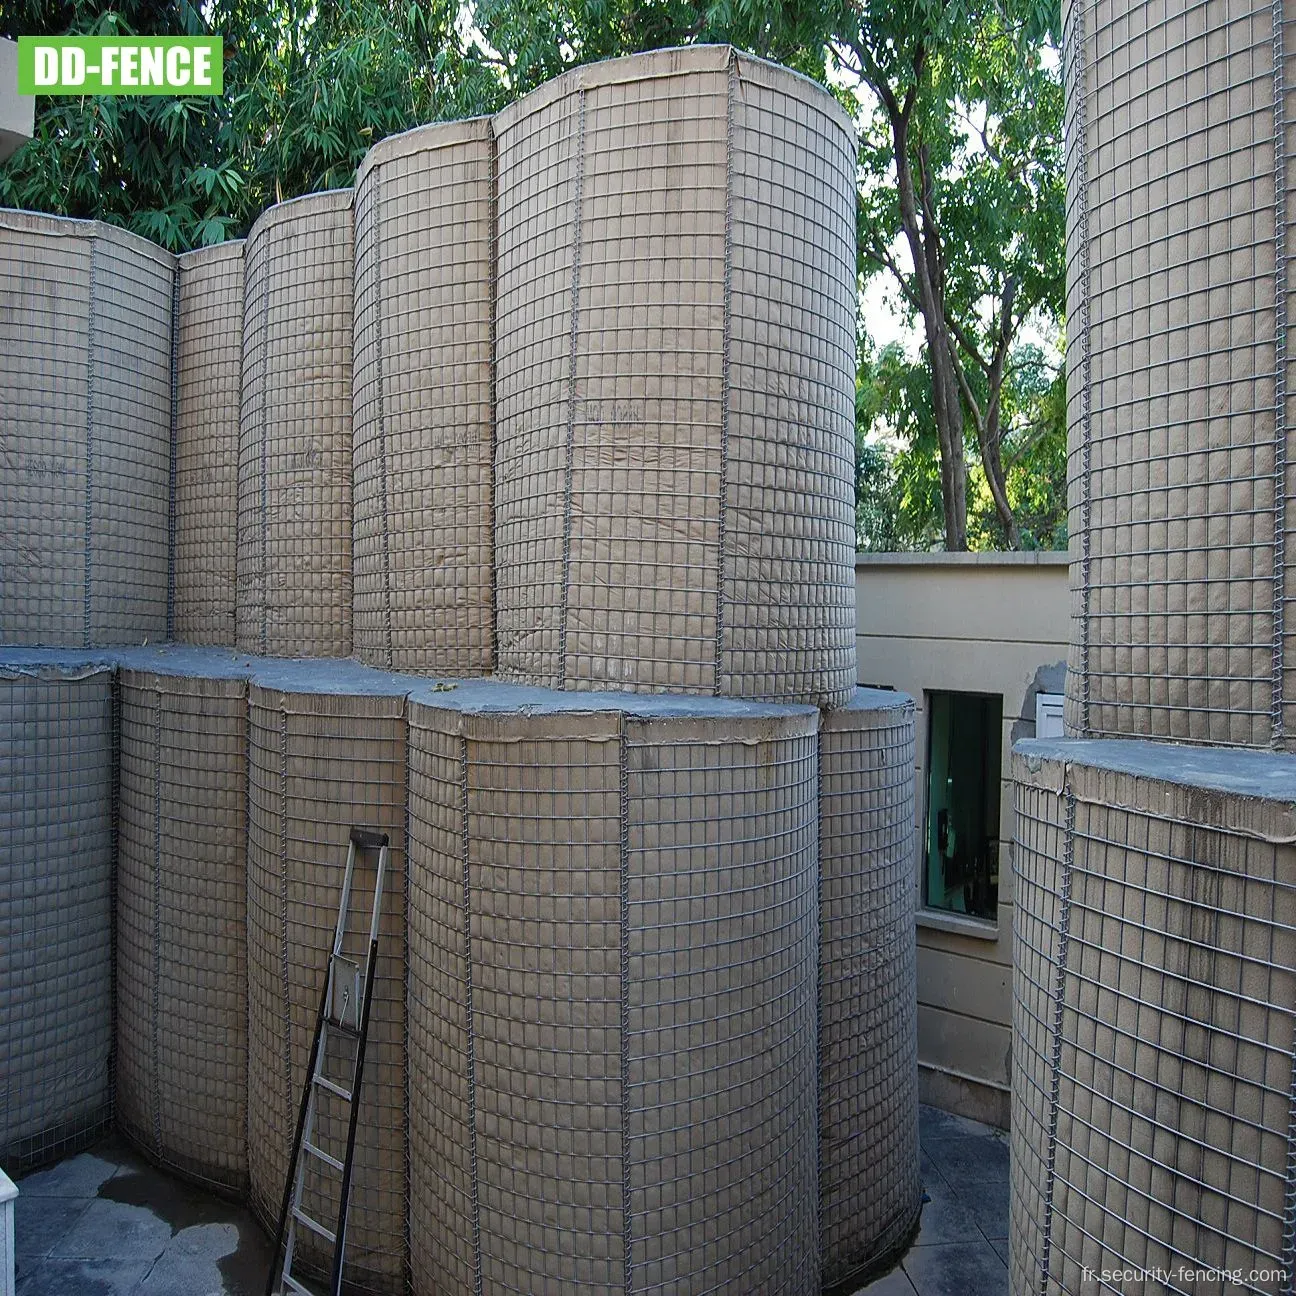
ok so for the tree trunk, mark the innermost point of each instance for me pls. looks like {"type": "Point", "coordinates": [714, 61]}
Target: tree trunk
{"type": "Point", "coordinates": [947, 407]}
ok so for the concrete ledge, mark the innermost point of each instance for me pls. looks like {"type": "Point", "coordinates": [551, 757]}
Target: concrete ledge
{"type": "Point", "coordinates": [942, 558]}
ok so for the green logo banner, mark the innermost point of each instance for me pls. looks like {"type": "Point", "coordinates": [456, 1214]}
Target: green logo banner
{"type": "Point", "coordinates": [120, 65]}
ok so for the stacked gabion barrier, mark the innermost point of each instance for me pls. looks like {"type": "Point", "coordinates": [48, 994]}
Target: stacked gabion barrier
{"type": "Point", "coordinates": [569, 394]}
{"type": "Point", "coordinates": [1154, 963]}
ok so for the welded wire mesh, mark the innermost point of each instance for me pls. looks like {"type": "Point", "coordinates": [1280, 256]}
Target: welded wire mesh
{"type": "Point", "coordinates": [182, 1077]}
{"type": "Point", "coordinates": [294, 472]}
{"type": "Point", "coordinates": [423, 400]}
{"type": "Point", "coordinates": [1155, 1019]}
{"type": "Point", "coordinates": [319, 763]}
{"type": "Point", "coordinates": [611, 996]}
{"type": "Point", "coordinates": [85, 363]}
{"type": "Point", "coordinates": [1176, 267]}
{"type": "Point", "coordinates": [675, 381]}
{"type": "Point", "coordinates": [869, 1185]}
{"type": "Point", "coordinates": [56, 959]}
{"type": "Point", "coordinates": [208, 369]}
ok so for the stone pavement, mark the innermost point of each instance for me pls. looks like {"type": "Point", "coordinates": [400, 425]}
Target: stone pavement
{"type": "Point", "coordinates": [106, 1224]}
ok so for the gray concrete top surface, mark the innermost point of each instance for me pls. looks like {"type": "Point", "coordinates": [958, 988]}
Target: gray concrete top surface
{"type": "Point", "coordinates": [1234, 771]}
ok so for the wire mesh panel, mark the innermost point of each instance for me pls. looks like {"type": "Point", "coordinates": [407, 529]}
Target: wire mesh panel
{"type": "Point", "coordinates": [611, 995]}
{"type": "Point", "coordinates": [294, 472]}
{"type": "Point", "coordinates": [326, 752]}
{"type": "Point", "coordinates": [208, 369]}
{"type": "Point", "coordinates": [182, 1078]}
{"type": "Point", "coordinates": [56, 820]}
{"type": "Point", "coordinates": [85, 363]}
{"type": "Point", "coordinates": [675, 381]}
{"type": "Point", "coordinates": [423, 400]}
{"type": "Point", "coordinates": [869, 1186]}
{"type": "Point", "coordinates": [1156, 1093]}
{"type": "Point", "coordinates": [1176, 354]}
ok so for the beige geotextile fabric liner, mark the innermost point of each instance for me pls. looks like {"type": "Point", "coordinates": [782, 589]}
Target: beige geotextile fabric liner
{"type": "Point", "coordinates": [869, 1187]}
{"type": "Point", "coordinates": [1176, 442]}
{"type": "Point", "coordinates": [675, 381]}
{"type": "Point", "coordinates": [294, 476]}
{"type": "Point", "coordinates": [85, 365]}
{"type": "Point", "coordinates": [208, 369]}
{"type": "Point", "coordinates": [611, 1003]}
{"type": "Point", "coordinates": [423, 400]}
{"type": "Point", "coordinates": [182, 1077]}
{"type": "Point", "coordinates": [1153, 1026]}
{"type": "Point", "coordinates": [55, 911]}
{"type": "Point", "coordinates": [318, 764]}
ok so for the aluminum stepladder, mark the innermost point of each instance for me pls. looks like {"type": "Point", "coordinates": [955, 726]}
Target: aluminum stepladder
{"type": "Point", "coordinates": [344, 1013]}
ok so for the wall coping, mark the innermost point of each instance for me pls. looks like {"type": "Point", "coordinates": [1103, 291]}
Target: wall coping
{"type": "Point", "coordinates": [942, 558]}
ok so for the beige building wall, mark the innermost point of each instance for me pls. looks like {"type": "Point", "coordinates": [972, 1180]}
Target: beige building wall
{"type": "Point", "coordinates": [975, 623]}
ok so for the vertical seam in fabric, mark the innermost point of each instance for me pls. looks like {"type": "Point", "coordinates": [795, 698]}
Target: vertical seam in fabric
{"type": "Point", "coordinates": [722, 495]}
{"type": "Point", "coordinates": [1080, 88]}
{"type": "Point", "coordinates": [264, 582]}
{"type": "Point", "coordinates": [155, 1085]}
{"type": "Point", "coordinates": [376, 270]}
{"type": "Point", "coordinates": [627, 1232]}
{"type": "Point", "coordinates": [114, 837]}
{"type": "Point", "coordinates": [1277, 719]}
{"type": "Point", "coordinates": [1059, 992]}
{"type": "Point", "coordinates": [578, 185]}
{"type": "Point", "coordinates": [91, 324]}
{"type": "Point", "coordinates": [492, 304]}
{"type": "Point", "coordinates": [283, 896]}
{"type": "Point", "coordinates": [173, 452]}
{"type": "Point", "coordinates": [468, 1005]}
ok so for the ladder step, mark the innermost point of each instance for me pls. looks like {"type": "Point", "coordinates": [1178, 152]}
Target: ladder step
{"type": "Point", "coordinates": [291, 1284]}
{"type": "Point", "coordinates": [314, 1225]}
{"type": "Point", "coordinates": [343, 1028]}
{"type": "Point", "coordinates": [322, 1155]}
{"type": "Point", "coordinates": [325, 1083]}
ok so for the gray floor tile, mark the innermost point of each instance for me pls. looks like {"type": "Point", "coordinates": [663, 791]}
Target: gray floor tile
{"type": "Point", "coordinates": [84, 1278]}
{"type": "Point", "coordinates": [896, 1283]}
{"type": "Point", "coordinates": [112, 1230]}
{"type": "Point", "coordinates": [1001, 1248]}
{"type": "Point", "coordinates": [936, 1124]}
{"type": "Point", "coordinates": [968, 1158]}
{"type": "Point", "coordinates": [957, 1269]}
{"type": "Point", "coordinates": [40, 1223]}
{"type": "Point", "coordinates": [191, 1264]}
{"type": "Point", "coordinates": [79, 1176]}
{"type": "Point", "coordinates": [946, 1217]}
{"type": "Point", "coordinates": [988, 1201]}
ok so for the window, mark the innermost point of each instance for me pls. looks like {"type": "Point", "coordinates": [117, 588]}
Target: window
{"type": "Point", "coordinates": [964, 740]}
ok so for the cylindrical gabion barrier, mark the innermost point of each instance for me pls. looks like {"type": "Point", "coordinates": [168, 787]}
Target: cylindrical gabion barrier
{"type": "Point", "coordinates": [423, 400]}
{"type": "Point", "coordinates": [294, 474]}
{"type": "Point", "coordinates": [675, 371]}
{"type": "Point", "coordinates": [56, 820]}
{"type": "Point", "coordinates": [326, 752]}
{"type": "Point", "coordinates": [1176, 366]}
{"type": "Point", "coordinates": [869, 1187]}
{"type": "Point", "coordinates": [1154, 1007]}
{"type": "Point", "coordinates": [208, 373]}
{"type": "Point", "coordinates": [85, 366]}
{"type": "Point", "coordinates": [612, 968]}
{"type": "Point", "coordinates": [182, 1077]}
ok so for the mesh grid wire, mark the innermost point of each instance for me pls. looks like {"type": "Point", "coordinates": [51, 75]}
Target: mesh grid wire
{"type": "Point", "coordinates": [1177, 302]}
{"type": "Point", "coordinates": [208, 365]}
{"type": "Point", "coordinates": [294, 470]}
{"type": "Point", "coordinates": [1153, 1041]}
{"type": "Point", "coordinates": [613, 953]}
{"type": "Point", "coordinates": [423, 400]}
{"type": "Point", "coordinates": [675, 364]}
{"type": "Point", "coordinates": [869, 1186]}
{"type": "Point", "coordinates": [319, 763]}
{"type": "Point", "coordinates": [182, 1078]}
{"type": "Point", "coordinates": [85, 363]}
{"type": "Point", "coordinates": [56, 817]}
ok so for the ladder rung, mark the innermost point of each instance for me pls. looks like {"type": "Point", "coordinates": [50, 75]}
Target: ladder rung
{"type": "Point", "coordinates": [291, 1284]}
{"type": "Point", "coordinates": [325, 1083]}
{"type": "Point", "coordinates": [352, 1032]}
{"type": "Point", "coordinates": [314, 1225]}
{"type": "Point", "coordinates": [323, 1156]}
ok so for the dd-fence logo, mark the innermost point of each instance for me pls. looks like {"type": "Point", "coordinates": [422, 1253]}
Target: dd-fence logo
{"type": "Point", "coordinates": [120, 65]}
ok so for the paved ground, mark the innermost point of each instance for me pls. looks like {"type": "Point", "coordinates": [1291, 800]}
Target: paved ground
{"type": "Point", "coordinates": [106, 1224]}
